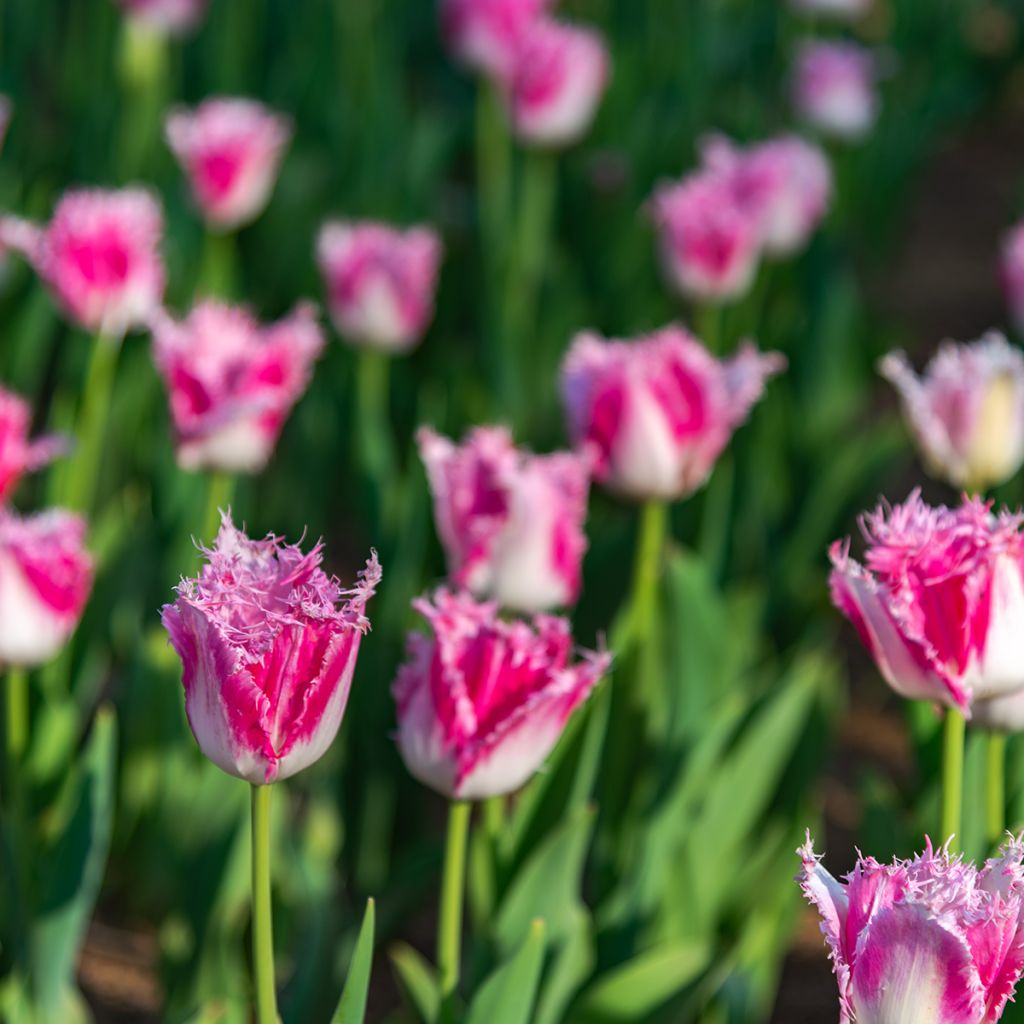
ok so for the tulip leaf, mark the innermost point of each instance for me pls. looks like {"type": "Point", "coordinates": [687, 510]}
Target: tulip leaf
{"type": "Point", "coordinates": [418, 981]}
{"type": "Point", "coordinates": [352, 1007]}
{"type": "Point", "coordinates": [571, 962]}
{"type": "Point", "coordinates": [637, 988]}
{"type": "Point", "coordinates": [507, 995]}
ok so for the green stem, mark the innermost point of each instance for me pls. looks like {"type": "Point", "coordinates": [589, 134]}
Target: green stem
{"type": "Point", "coordinates": [219, 267]}
{"type": "Point", "coordinates": [449, 928]}
{"type": "Point", "coordinates": [17, 716]}
{"type": "Point", "coordinates": [262, 927]}
{"type": "Point", "coordinates": [220, 490]}
{"type": "Point", "coordinates": [708, 321]}
{"type": "Point", "coordinates": [83, 472]}
{"type": "Point", "coordinates": [373, 425]}
{"type": "Point", "coordinates": [647, 568]}
{"type": "Point", "coordinates": [952, 775]}
{"type": "Point", "coordinates": [995, 786]}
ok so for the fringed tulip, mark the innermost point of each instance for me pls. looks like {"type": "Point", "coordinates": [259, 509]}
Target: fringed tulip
{"type": "Point", "coordinates": [1013, 273]}
{"type": "Point", "coordinates": [708, 241]}
{"type": "Point", "coordinates": [19, 455]}
{"type": "Point", "coordinates": [100, 256]}
{"type": "Point", "coordinates": [966, 411]}
{"type": "Point", "coordinates": [232, 382]}
{"type": "Point", "coordinates": [231, 151]}
{"type": "Point", "coordinates": [482, 702]}
{"type": "Point", "coordinates": [931, 939]}
{"type": "Point", "coordinates": [380, 282]}
{"type": "Point", "coordinates": [174, 17]}
{"type": "Point", "coordinates": [655, 413]}
{"type": "Point", "coordinates": [511, 522]}
{"type": "Point", "coordinates": [834, 88]}
{"type": "Point", "coordinates": [785, 183]}
{"type": "Point", "coordinates": [556, 82]}
{"type": "Point", "coordinates": [484, 34]}
{"type": "Point", "coordinates": [939, 602]}
{"type": "Point", "coordinates": [45, 579]}
{"type": "Point", "coordinates": [268, 644]}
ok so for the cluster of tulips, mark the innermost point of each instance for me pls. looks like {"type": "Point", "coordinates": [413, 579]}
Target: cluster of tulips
{"type": "Point", "coordinates": [268, 641]}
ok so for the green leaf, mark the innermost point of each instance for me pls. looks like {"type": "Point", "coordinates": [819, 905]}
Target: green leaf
{"type": "Point", "coordinates": [571, 963]}
{"type": "Point", "coordinates": [352, 1007]}
{"type": "Point", "coordinates": [508, 994]}
{"type": "Point", "coordinates": [640, 986]}
{"type": "Point", "coordinates": [418, 980]}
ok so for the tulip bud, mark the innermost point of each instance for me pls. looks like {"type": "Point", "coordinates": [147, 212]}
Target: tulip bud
{"type": "Point", "coordinates": [380, 282]}
{"type": "Point", "coordinates": [19, 455]}
{"type": "Point", "coordinates": [45, 579]}
{"type": "Point", "coordinates": [484, 34]}
{"type": "Point", "coordinates": [655, 413]}
{"type": "Point", "coordinates": [232, 382]}
{"type": "Point", "coordinates": [483, 701]}
{"type": "Point", "coordinates": [966, 411]}
{"type": "Point", "coordinates": [268, 644]}
{"type": "Point", "coordinates": [834, 88]}
{"type": "Point", "coordinates": [511, 522]}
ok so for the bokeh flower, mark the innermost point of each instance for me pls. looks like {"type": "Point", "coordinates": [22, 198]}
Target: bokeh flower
{"type": "Point", "coordinates": [231, 151]}
{"type": "Point", "coordinates": [939, 600]}
{"type": "Point", "coordinates": [557, 78]}
{"type": "Point", "coordinates": [966, 411]}
{"type": "Point", "coordinates": [380, 281]}
{"type": "Point", "coordinates": [268, 645]}
{"type": "Point", "coordinates": [484, 34]}
{"type": "Point", "coordinates": [174, 17]}
{"type": "Point", "coordinates": [655, 413]}
{"type": "Point", "coordinates": [709, 242]}
{"type": "Point", "coordinates": [932, 938]}
{"type": "Point", "coordinates": [1012, 267]}
{"type": "Point", "coordinates": [834, 88]}
{"type": "Point", "coordinates": [45, 579]}
{"type": "Point", "coordinates": [848, 9]}
{"type": "Point", "coordinates": [19, 455]}
{"type": "Point", "coordinates": [232, 381]}
{"type": "Point", "coordinates": [511, 522]}
{"type": "Point", "coordinates": [482, 702]}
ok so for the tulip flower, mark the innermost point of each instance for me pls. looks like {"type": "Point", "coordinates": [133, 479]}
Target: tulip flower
{"type": "Point", "coordinates": [966, 411]}
{"type": "Point", "coordinates": [100, 256]}
{"type": "Point", "coordinates": [1013, 273]}
{"type": "Point", "coordinates": [785, 184]}
{"type": "Point", "coordinates": [19, 455]}
{"type": "Point", "coordinates": [511, 522]}
{"type": "Point", "coordinates": [930, 939]}
{"type": "Point", "coordinates": [482, 702]}
{"type": "Point", "coordinates": [174, 17]}
{"type": "Point", "coordinates": [268, 644]}
{"type": "Point", "coordinates": [45, 579]}
{"type": "Point", "coordinates": [847, 9]}
{"type": "Point", "coordinates": [231, 151]}
{"type": "Point", "coordinates": [6, 112]}
{"type": "Point", "coordinates": [484, 34]}
{"type": "Point", "coordinates": [834, 88]}
{"type": "Point", "coordinates": [708, 241]}
{"type": "Point", "coordinates": [556, 81]}
{"type": "Point", "coordinates": [380, 281]}
{"type": "Point", "coordinates": [232, 382]}
{"type": "Point", "coordinates": [1003, 714]}
{"type": "Point", "coordinates": [656, 412]}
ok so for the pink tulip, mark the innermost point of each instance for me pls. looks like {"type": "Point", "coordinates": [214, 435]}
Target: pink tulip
{"type": "Point", "coordinates": [939, 602]}
{"type": "Point", "coordinates": [19, 455]}
{"type": "Point", "coordinates": [834, 88]}
{"type": "Point", "coordinates": [174, 17]}
{"type": "Point", "coordinates": [511, 522]}
{"type": "Point", "coordinates": [484, 34]}
{"type": "Point", "coordinates": [932, 939]}
{"type": "Point", "coordinates": [785, 184]}
{"type": "Point", "coordinates": [268, 644]}
{"type": "Point", "coordinates": [966, 411]}
{"type": "Point", "coordinates": [655, 413]}
{"type": "Point", "coordinates": [483, 701]}
{"type": "Point", "coordinates": [45, 579]}
{"type": "Point", "coordinates": [709, 242]}
{"type": "Point", "coordinates": [556, 82]}
{"type": "Point", "coordinates": [1013, 273]}
{"type": "Point", "coordinates": [232, 382]}
{"type": "Point", "coordinates": [847, 9]}
{"type": "Point", "coordinates": [231, 151]}
{"type": "Point", "coordinates": [99, 255]}
{"type": "Point", "coordinates": [380, 281]}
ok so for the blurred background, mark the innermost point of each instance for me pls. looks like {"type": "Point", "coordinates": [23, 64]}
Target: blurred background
{"type": "Point", "coordinates": [767, 715]}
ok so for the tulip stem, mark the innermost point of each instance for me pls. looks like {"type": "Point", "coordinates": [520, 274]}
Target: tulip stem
{"type": "Point", "coordinates": [449, 928]}
{"type": "Point", "coordinates": [373, 426]}
{"type": "Point", "coordinates": [995, 785]}
{"type": "Point", "coordinates": [649, 548]}
{"type": "Point", "coordinates": [219, 491]}
{"type": "Point", "coordinates": [952, 775]}
{"type": "Point", "coordinates": [217, 276]}
{"type": "Point", "coordinates": [17, 716]}
{"type": "Point", "coordinates": [708, 323]}
{"type": "Point", "coordinates": [262, 928]}
{"type": "Point", "coordinates": [82, 476]}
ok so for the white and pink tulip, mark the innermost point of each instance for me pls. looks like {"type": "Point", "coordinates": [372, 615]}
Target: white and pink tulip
{"type": "Point", "coordinates": [18, 454]}
{"type": "Point", "coordinates": [174, 17]}
{"type": "Point", "coordinates": [484, 35]}
{"type": "Point", "coordinates": [834, 88]}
